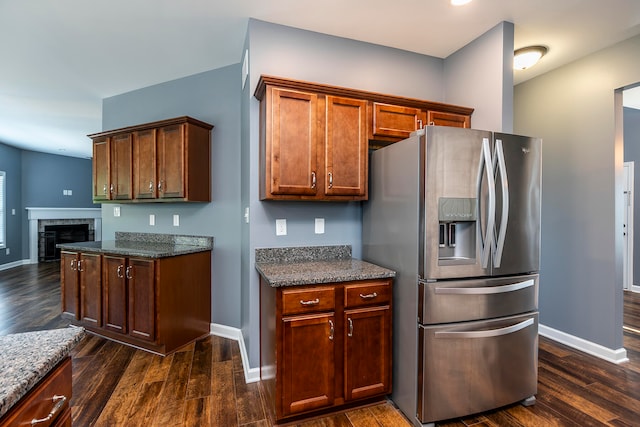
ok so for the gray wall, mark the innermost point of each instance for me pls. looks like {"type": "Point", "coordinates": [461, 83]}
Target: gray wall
{"type": "Point", "coordinates": [213, 97]}
{"type": "Point", "coordinates": [632, 154]}
{"type": "Point", "coordinates": [575, 111]}
{"type": "Point", "coordinates": [37, 180]}
{"type": "Point", "coordinates": [10, 162]}
{"type": "Point", "coordinates": [303, 55]}
{"type": "Point", "coordinates": [485, 67]}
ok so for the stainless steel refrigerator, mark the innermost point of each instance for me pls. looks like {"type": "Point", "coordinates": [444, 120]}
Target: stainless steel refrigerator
{"type": "Point", "coordinates": [456, 213]}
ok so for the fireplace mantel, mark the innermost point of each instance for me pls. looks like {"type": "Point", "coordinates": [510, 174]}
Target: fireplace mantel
{"type": "Point", "coordinates": [36, 214]}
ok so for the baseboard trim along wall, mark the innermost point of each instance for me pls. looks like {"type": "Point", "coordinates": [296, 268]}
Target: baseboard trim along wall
{"type": "Point", "coordinates": [614, 356]}
{"type": "Point", "coordinates": [251, 375]}
{"type": "Point", "coordinates": [14, 264]}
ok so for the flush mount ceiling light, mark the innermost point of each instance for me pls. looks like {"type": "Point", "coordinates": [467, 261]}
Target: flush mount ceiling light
{"type": "Point", "coordinates": [526, 57]}
{"type": "Point", "coordinates": [459, 2]}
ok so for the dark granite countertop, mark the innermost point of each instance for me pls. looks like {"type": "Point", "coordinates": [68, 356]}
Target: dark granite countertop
{"type": "Point", "coordinates": [314, 264]}
{"type": "Point", "coordinates": [148, 245]}
{"type": "Point", "coordinates": [27, 357]}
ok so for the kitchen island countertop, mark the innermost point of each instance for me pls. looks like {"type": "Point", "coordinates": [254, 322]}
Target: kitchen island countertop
{"type": "Point", "coordinates": [26, 358]}
{"type": "Point", "coordinates": [314, 265]}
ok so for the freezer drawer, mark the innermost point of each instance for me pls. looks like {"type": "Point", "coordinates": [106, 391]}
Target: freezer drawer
{"type": "Point", "coordinates": [473, 367]}
{"type": "Point", "coordinates": [465, 300]}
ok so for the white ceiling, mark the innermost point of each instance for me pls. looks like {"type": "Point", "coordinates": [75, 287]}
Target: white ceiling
{"type": "Point", "coordinates": [60, 58]}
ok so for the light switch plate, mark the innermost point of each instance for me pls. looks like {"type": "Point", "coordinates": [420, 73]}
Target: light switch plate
{"type": "Point", "coordinates": [319, 225]}
{"type": "Point", "coordinates": [152, 219]}
{"type": "Point", "coordinates": [281, 227]}
{"type": "Point", "coordinates": [176, 220]}
{"type": "Point", "coordinates": [116, 211]}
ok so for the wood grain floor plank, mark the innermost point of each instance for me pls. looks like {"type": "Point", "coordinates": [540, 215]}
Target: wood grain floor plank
{"type": "Point", "coordinates": [103, 380]}
{"type": "Point", "coordinates": [249, 404]}
{"type": "Point", "coordinates": [159, 369]}
{"type": "Point", "coordinates": [224, 410]}
{"type": "Point", "coordinates": [197, 412]}
{"type": "Point", "coordinates": [171, 410]}
{"type": "Point", "coordinates": [124, 397]}
{"type": "Point", "coordinates": [199, 384]}
{"type": "Point", "coordinates": [388, 416]}
{"type": "Point", "coordinates": [143, 411]}
{"type": "Point", "coordinates": [362, 418]}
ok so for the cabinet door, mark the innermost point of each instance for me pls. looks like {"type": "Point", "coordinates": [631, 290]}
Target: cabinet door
{"type": "Point", "coordinates": [291, 143]}
{"type": "Point", "coordinates": [121, 167]}
{"type": "Point", "coordinates": [367, 352]}
{"type": "Point", "coordinates": [395, 121]}
{"type": "Point", "coordinates": [144, 166]}
{"type": "Point", "coordinates": [114, 293]}
{"type": "Point", "coordinates": [140, 274]}
{"type": "Point", "coordinates": [448, 119]}
{"type": "Point", "coordinates": [346, 147]}
{"type": "Point", "coordinates": [171, 161]}
{"type": "Point", "coordinates": [89, 266]}
{"type": "Point", "coordinates": [69, 280]}
{"type": "Point", "coordinates": [101, 180]}
{"type": "Point", "coordinates": [308, 362]}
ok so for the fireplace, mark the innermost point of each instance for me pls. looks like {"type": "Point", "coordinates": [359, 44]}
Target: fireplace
{"type": "Point", "coordinates": [63, 233]}
{"type": "Point", "coordinates": [62, 219]}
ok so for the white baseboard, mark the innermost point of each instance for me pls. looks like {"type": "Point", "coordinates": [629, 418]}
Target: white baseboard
{"type": "Point", "coordinates": [251, 375]}
{"type": "Point", "coordinates": [614, 356]}
{"type": "Point", "coordinates": [14, 264]}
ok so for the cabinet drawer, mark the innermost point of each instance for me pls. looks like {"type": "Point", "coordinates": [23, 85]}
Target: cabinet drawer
{"type": "Point", "coordinates": [307, 300]}
{"type": "Point", "coordinates": [39, 402]}
{"type": "Point", "coordinates": [367, 293]}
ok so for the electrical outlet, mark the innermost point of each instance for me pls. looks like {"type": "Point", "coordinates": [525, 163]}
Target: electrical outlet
{"type": "Point", "coordinates": [116, 211]}
{"type": "Point", "coordinates": [319, 225]}
{"type": "Point", "coordinates": [13, 211]}
{"type": "Point", "coordinates": [176, 220]}
{"type": "Point", "coordinates": [152, 219]}
{"type": "Point", "coordinates": [281, 227]}
{"type": "Point", "coordinates": [8, 251]}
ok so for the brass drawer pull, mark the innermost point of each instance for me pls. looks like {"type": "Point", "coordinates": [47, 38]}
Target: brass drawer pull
{"type": "Point", "coordinates": [311, 302]}
{"type": "Point", "coordinates": [59, 402]}
{"type": "Point", "coordinates": [369, 296]}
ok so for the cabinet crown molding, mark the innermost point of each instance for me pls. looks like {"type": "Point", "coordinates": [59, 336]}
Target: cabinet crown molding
{"type": "Point", "coordinates": [266, 80]}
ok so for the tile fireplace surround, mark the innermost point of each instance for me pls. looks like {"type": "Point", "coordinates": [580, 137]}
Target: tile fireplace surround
{"type": "Point", "coordinates": [60, 216]}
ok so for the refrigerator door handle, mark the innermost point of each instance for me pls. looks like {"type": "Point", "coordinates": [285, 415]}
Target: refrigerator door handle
{"type": "Point", "coordinates": [486, 334]}
{"type": "Point", "coordinates": [486, 167]}
{"type": "Point", "coordinates": [502, 169]}
{"type": "Point", "coordinates": [486, 290]}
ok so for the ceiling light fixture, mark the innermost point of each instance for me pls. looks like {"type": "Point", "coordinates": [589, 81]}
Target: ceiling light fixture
{"type": "Point", "coordinates": [526, 57]}
{"type": "Point", "coordinates": [459, 2]}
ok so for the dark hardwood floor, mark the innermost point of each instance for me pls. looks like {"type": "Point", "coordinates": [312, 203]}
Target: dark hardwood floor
{"type": "Point", "coordinates": [203, 384]}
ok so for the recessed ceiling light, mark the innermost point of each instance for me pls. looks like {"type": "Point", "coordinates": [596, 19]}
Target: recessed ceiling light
{"type": "Point", "coordinates": [459, 2]}
{"type": "Point", "coordinates": [526, 57]}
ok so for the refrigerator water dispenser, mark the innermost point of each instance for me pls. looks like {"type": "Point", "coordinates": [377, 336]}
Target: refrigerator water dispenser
{"type": "Point", "coordinates": [457, 233]}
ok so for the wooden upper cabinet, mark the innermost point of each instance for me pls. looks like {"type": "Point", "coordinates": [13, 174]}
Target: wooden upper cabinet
{"type": "Point", "coordinates": [121, 167]}
{"type": "Point", "coordinates": [395, 121]}
{"type": "Point", "coordinates": [168, 161]}
{"type": "Point", "coordinates": [101, 182]}
{"type": "Point", "coordinates": [313, 146]}
{"type": "Point", "coordinates": [440, 118]}
{"type": "Point", "coordinates": [144, 154]}
{"type": "Point", "coordinates": [346, 147]}
{"type": "Point", "coordinates": [289, 156]}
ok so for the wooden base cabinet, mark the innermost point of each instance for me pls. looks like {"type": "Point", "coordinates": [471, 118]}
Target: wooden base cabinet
{"type": "Point", "coordinates": [80, 276]}
{"type": "Point", "coordinates": [156, 304]}
{"type": "Point", "coordinates": [48, 403]}
{"type": "Point", "coordinates": [325, 346]}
